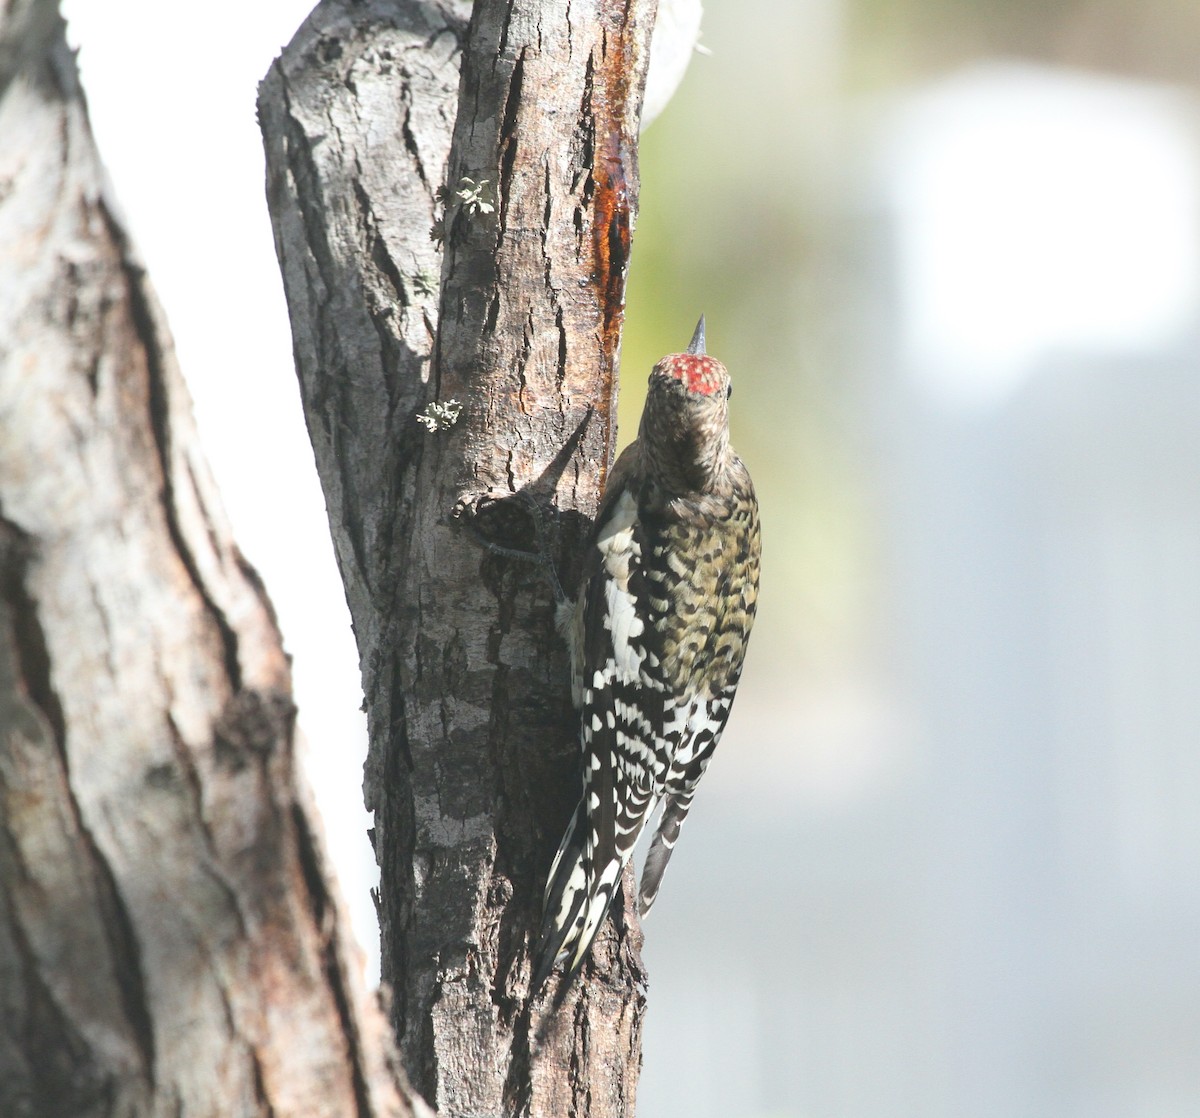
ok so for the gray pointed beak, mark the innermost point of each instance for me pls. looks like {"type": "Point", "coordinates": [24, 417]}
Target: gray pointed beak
{"type": "Point", "coordinates": [696, 346]}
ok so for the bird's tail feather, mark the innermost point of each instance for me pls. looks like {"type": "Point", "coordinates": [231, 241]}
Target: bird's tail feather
{"type": "Point", "coordinates": [674, 813]}
{"type": "Point", "coordinates": [577, 899]}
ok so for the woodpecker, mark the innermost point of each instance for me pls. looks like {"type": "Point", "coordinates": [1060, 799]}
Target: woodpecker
{"type": "Point", "coordinates": [657, 637]}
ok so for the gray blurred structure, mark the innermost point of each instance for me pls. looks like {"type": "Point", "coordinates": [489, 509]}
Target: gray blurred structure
{"type": "Point", "coordinates": [1008, 925]}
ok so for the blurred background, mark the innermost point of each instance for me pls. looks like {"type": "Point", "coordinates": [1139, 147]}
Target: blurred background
{"type": "Point", "coordinates": [947, 860]}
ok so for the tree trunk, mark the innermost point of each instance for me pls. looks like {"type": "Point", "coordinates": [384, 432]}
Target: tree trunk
{"type": "Point", "coordinates": [169, 943]}
{"type": "Point", "coordinates": [528, 114]}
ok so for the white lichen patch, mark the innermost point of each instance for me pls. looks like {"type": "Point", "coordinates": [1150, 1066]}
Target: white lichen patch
{"type": "Point", "coordinates": [440, 417]}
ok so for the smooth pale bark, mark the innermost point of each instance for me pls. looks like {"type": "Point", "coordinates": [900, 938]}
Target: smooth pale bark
{"type": "Point", "coordinates": [169, 942]}
{"type": "Point", "coordinates": [474, 766]}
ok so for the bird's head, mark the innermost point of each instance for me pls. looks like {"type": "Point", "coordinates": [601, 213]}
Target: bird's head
{"type": "Point", "coordinates": [685, 423]}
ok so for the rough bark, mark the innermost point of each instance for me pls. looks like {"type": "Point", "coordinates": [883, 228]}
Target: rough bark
{"type": "Point", "coordinates": [473, 767]}
{"type": "Point", "coordinates": [168, 940]}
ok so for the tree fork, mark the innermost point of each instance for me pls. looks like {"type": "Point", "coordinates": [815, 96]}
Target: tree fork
{"type": "Point", "coordinates": [511, 129]}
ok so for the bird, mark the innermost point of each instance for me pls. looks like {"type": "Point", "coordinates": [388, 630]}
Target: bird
{"type": "Point", "coordinates": [657, 637]}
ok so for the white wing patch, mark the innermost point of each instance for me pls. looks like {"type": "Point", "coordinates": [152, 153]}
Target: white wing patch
{"type": "Point", "coordinates": [619, 551]}
{"type": "Point", "coordinates": [616, 538]}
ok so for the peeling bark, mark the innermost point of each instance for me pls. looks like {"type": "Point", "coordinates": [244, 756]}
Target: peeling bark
{"type": "Point", "coordinates": [169, 942]}
{"type": "Point", "coordinates": [473, 765]}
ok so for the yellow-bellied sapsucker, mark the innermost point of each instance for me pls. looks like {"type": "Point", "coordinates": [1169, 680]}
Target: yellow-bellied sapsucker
{"type": "Point", "coordinates": [657, 638]}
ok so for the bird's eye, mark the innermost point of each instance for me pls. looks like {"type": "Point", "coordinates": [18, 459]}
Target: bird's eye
{"type": "Point", "coordinates": [729, 390]}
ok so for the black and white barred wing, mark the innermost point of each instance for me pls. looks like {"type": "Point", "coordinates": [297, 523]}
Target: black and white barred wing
{"type": "Point", "coordinates": [625, 713]}
{"type": "Point", "coordinates": [704, 725]}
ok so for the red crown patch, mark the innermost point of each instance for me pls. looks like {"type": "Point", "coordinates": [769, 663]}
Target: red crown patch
{"type": "Point", "coordinates": [698, 372]}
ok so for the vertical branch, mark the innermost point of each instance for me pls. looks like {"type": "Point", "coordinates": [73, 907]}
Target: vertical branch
{"type": "Point", "coordinates": [474, 760]}
{"type": "Point", "coordinates": [168, 938]}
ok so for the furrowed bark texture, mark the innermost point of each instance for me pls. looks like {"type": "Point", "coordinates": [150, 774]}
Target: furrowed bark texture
{"type": "Point", "coordinates": [168, 941]}
{"type": "Point", "coordinates": [474, 764]}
